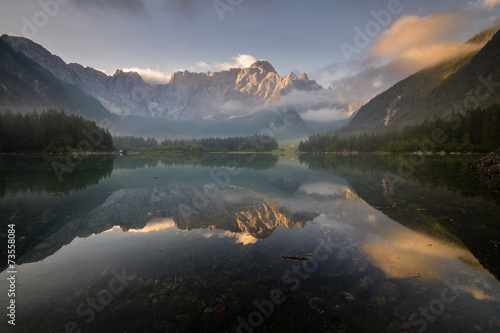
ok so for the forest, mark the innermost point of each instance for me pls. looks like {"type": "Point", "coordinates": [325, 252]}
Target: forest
{"type": "Point", "coordinates": [52, 132]}
{"type": "Point", "coordinates": [130, 142]}
{"type": "Point", "coordinates": [239, 143]}
{"type": "Point", "coordinates": [55, 132]}
{"type": "Point", "coordinates": [477, 130]}
{"type": "Point", "coordinates": [204, 145]}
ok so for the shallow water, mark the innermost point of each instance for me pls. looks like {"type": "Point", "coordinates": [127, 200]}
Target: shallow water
{"type": "Point", "coordinates": [136, 244]}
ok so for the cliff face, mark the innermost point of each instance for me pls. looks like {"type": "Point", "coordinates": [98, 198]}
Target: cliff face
{"type": "Point", "coordinates": [188, 96]}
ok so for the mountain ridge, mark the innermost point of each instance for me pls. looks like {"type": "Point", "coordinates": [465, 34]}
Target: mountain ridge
{"type": "Point", "coordinates": [435, 90]}
{"type": "Point", "coordinates": [25, 85]}
{"type": "Point", "coordinates": [187, 97]}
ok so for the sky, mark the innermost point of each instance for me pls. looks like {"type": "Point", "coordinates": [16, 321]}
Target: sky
{"type": "Point", "coordinates": [341, 44]}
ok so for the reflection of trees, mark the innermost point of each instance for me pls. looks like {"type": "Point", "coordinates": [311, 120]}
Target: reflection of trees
{"type": "Point", "coordinates": [134, 162]}
{"type": "Point", "coordinates": [450, 172]}
{"type": "Point", "coordinates": [247, 161]}
{"type": "Point", "coordinates": [440, 197]}
{"type": "Point", "coordinates": [21, 174]}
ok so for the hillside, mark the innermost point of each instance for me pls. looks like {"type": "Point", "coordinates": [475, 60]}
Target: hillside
{"type": "Point", "coordinates": [452, 85]}
{"type": "Point", "coordinates": [25, 86]}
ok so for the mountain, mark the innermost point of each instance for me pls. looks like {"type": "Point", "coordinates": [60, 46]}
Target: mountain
{"type": "Point", "coordinates": [452, 85]}
{"type": "Point", "coordinates": [25, 85]}
{"type": "Point", "coordinates": [283, 125]}
{"type": "Point", "coordinates": [239, 211]}
{"type": "Point", "coordinates": [187, 97]}
{"type": "Point", "coordinates": [238, 101]}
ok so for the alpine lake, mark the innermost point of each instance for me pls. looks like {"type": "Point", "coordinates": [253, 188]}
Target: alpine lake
{"type": "Point", "coordinates": [250, 243]}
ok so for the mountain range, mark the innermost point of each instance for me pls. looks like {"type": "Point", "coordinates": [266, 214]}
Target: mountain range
{"type": "Point", "coordinates": [238, 101]}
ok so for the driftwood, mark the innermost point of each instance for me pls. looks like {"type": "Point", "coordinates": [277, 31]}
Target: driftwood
{"type": "Point", "coordinates": [296, 258]}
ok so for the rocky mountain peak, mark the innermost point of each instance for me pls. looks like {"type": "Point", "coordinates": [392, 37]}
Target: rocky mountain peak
{"type": "Point", "coordinates": [188, 96]}
{"type": "Point", "coordinates": [264, 65]}
{"type": "Point", "coordinates": [304, 77]}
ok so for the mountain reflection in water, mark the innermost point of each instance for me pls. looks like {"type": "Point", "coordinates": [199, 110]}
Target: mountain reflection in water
{"type": "Point", "coordinates": [200, 253]}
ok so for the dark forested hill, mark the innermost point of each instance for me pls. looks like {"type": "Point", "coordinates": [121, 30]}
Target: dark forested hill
{"type": "Point", "coordinates": [51, 131]}
{"type": "Point", "coordinates": [465, 82]}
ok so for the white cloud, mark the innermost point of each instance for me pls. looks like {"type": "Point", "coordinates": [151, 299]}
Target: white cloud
{"type": "Point", "coordinates": [240, 61]}
{"type": "Point", "coordinates": [156, 224]}
{"type": "Point", "coordinates": [307, 99]}
{"type": "Point", "coordinates": [324, 188]}
{"type": "Point", "coordinates": [203, 64]}
{"type": "Point", "coordinates": [377, 83]}
{"type": "Point", "coordinates": [241, 238]}
{"type": "Point", "coordinates": [421, 42]}
{"type": "Point", "coordinates": [325, 115]}
{"type": "Point", "coordinates": [150, 76]}
{"type": "Point", "coordinates": [488, 4]}
{"type": "Point", "coordinates": [411, 44]}
{"type": "Point", "coordinates": [102, 71]}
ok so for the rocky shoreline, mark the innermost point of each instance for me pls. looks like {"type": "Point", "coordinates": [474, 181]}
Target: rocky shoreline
{"type": "Point", "coordinates": [488, 169]}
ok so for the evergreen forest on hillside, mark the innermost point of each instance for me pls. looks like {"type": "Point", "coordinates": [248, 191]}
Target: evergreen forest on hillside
{"type": "Point", "coordinates": [205, 145]}
{"type": "Point", "coordinates": [55, 132]}
{"type": "Point", "coordinates": [50, 131]}
{"type": "Point", "coordinates": [476, 130]}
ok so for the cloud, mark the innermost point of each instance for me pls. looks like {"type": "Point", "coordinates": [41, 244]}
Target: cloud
{"type": "Point", "coordinates": [324, 188]}
{"type": "Point", "coordinates": [301, 98]}
{"type": "Point", "coordinates": [421, 42]}
{"type": "Point", "coordinates": [242, 238]}
{"type": "Point", "coordinates": [318, 105]}
{"type": "Point", "coordinates": [150, 76]}
{"type": "Point", "coordinates": [325, 115]}
{"type": "Point", "coordinates": [411, 44]}
{"type": "Point", "coordinates": [102, 71]}
{"type": "Point", "coordinates": [203, 64]}
{"type": "Point", "coordinates": [156, 224]}
{"type": "Point", "coordinates": [240, 61]}
{"type": "Point", "coordinates": [487, 4]}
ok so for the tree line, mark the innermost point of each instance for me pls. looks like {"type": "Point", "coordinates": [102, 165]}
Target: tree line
{"type": "Point", "coordinates": [193, 146]}
{"type": "Point", "coordinates": [477, 130]}
{"type": "Point", "coordinates": [239, 143]}
{"type": "Point", "coordinates": [130, 142]}
{"type": "Point", "coordinates": [55, 132]}
{"type": "Point", "coordinates": [50, 131]}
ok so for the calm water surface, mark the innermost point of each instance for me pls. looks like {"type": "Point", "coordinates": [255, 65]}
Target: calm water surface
{"type": "Point", "coordinates": [220, 244]}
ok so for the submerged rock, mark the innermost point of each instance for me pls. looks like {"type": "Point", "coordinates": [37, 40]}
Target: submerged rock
{"type": "Point", "coordinates": [488, 169]}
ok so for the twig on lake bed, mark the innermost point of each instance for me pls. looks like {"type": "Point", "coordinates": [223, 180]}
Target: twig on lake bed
{"type": "Point", "coordinates": [296, 258]}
